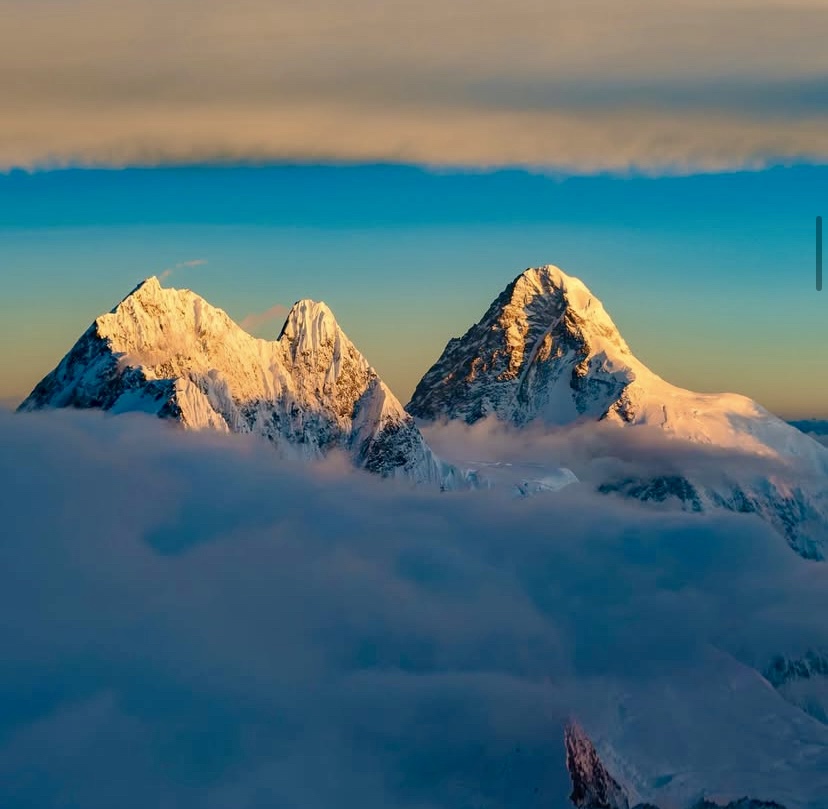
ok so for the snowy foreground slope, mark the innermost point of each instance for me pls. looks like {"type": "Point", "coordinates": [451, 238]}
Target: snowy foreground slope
{"type": "Point", "coordinates": [547, 353]}
{"type": "Point", "coordinates": [168, 352]}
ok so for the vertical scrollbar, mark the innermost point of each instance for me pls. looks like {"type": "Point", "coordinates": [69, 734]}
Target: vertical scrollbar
{"type": "Point", "coordinates": [819, 254]}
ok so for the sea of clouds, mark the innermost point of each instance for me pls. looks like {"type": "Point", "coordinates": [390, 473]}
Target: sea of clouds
{"type": "Point", "coordinates": [188, 621]}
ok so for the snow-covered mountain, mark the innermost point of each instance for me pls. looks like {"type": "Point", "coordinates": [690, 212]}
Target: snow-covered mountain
{"type": "Point", "coordinates": [594, 787]}
{"type": "Point", "coordinates": [547, 352]}
{"type": "Point", "coordinates": [170, 353]}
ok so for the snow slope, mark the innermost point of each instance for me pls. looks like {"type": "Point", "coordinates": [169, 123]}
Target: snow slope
{"type": "Point", "coordinates": [648, 735]}
{"type": "Point", "coordinates": [170, 353]}
{"type": "Point", "coordinates": [546, 352]}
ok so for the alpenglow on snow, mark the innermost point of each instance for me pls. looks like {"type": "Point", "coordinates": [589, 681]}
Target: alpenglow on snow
{"type": "Point", "coordinates": [546, 353]}
{"type": "Point", "coordinates": [168, 352]}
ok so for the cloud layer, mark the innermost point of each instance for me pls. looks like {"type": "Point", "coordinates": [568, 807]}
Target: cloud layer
{"type": "Point", "coordinates": [580, 86]}
{"type": "Point", "coordinates": [189, 622]}
{"type": "Point", "coordinates": [257, 321]}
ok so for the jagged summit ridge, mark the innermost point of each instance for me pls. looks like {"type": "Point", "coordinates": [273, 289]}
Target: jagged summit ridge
{"type": "Point", "coordinates": [169, 352]}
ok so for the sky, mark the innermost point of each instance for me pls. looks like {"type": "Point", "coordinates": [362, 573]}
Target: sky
{"type": "Point", "coordinates": [404, 161]}
{"type": "Point", "coordinates": [710, 277]}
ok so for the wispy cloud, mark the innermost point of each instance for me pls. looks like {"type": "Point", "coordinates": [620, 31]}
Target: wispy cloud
{"type": "Point", "coordinates": [257, 320]}
{"type": "Point", "coordinates": [583, 86]}
{"type": "Point", "coordinates": [196, 262]}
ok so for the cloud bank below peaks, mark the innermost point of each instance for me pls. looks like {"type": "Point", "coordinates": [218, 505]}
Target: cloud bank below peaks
{"type": "Point", "coordinates": [189, 621]}
{"type": "Point", "coordinates": [573, 86]}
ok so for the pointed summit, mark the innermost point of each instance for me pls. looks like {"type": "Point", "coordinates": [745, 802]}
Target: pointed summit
{"type": "Point", "coordinates": [149, 284]}
{"type": "Point", "coordinates": [309, 324]}
{"type": "Point", "coordinates": [149, 287]}
{"type": "Point", "coordinates": [550, 281]}
{"type": "Point", "coordinates": [546, 350]}
{"type": "Point", "coordinates": [547, 278]}
{"type": "Point", "coordinates": [545, 328]}
{"type": "Point", "coordinates": [168, 352]}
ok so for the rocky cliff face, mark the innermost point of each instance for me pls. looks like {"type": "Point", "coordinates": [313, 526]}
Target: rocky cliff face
{"type": "Point", "coordinates": [545, 349]}
{"type": "Point", "coordinates": [592, 785]}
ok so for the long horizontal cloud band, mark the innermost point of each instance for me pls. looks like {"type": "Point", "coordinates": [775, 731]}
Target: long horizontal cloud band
{"type": "Point", "coordinates": [578, 86]}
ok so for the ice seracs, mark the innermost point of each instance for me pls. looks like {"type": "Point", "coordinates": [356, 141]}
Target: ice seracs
{"type": "Point", "coordinates": [547, 353]}
{"type": "Point", "coordinates": [169, 352]}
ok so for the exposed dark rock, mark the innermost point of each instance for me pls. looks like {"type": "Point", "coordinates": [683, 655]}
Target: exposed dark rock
{"type": "Point", "coordinates": [592, 785]}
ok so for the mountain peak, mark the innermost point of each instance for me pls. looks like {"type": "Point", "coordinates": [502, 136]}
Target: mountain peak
{"type": "Point", "coordinates": [548, 274]}
{"type": "Point", "coordinates": [545, 326]}
{"type": "Point", "coordinates": [309, 326]}
{"type": "Point", "coordinates": [546, 352]}
{"type": "Point", "coordinates": [150, 282]}
{"type": "Point", "coordinates": [307, 311]}
{"type": "Point", "coordinates": [549, 281]}
{"type": "Point", "coordinates": [168, 352]}
{"type": "Point", "coordinates": [148, 287]}
{"type": "Point", "coordinates": [548, 278]}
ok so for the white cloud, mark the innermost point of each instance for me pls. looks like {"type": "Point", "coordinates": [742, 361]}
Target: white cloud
{"type": "Point", "coordinates": [257, 320]}
{"type": "Point", "coordinates": [196, 262]}
{"type": "Point", "coordinates": [583, 86]}
{"type": "Point", "coordinates": [187, 621]}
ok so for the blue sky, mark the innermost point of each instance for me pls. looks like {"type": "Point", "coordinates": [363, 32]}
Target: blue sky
{"type": "Point", "coordinates": [710, 277]}
{"type": "Point", "coordinates": [403, 161]}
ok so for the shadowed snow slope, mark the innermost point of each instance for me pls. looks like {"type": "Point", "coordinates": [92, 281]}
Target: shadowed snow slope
{"type": "Point", "coordinates": [168, 352]}
{"type": "Point", "coordinates": [547, 353]}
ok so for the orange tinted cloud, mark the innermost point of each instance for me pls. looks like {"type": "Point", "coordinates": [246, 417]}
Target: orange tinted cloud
{"type": "Point", "coordinates": [581, 86]}
{"type": "Point", "coordinates": [257, 320]}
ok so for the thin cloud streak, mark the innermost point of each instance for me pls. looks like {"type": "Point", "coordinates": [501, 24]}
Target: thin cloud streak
{"type": "Point", "coordinates": [582, 87]}
{"type": "Point", "coordinates": [196, 262]}
{"type": "Point", "coordinates": [257, 320]}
